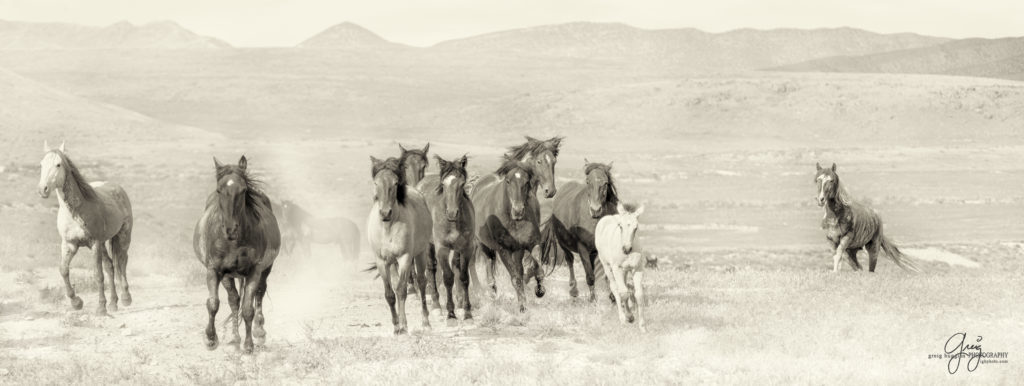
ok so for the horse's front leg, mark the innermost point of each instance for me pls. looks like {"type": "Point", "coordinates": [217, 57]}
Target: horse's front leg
{"type": "Point", "coordinates": [615, 292]}
{"type": "Point", "coordinates": [100, 250]}
{"type": "Point", "coordinates": [68, 251]}
{"type": "Point", "coordinates": [573, 291]}
{"type": "Point", "coordinates": [638, 287]}
{"type": "Point", "coordinates": [233, 302]}
{"type": "Point", "coordinates": [383, 268]}
{"type": "Point", "coordinates": [461, 263]}
{"type": "Point", "coordinates": [250, 285]}
{"type": "Point", "coordinates": [404, 272]}
{"type": "Point", "coordinates": [588, 268]}
{"type": "Point", "coordinates": [212, 305]}
{"type": "Point", "coordinates": [447, 266]}
{"type": "Point", "coordinates": [421, 265]}
{"type": "Point", "coordinates": [538, 271]}
{"type": "Point", "coordinates": [840, 250]}
{"type": "Point", "coordinates": [514, 264]}
{"type": "Point", "coordinates": [430, 273]}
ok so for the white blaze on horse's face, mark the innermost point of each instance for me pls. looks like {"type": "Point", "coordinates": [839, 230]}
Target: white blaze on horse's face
{"type": "Point", "coordinates": [823, 182]}
{"type": "Point", "coordinates": [51, 173]}
{"type": "Point", "coordinates": [629, 222]}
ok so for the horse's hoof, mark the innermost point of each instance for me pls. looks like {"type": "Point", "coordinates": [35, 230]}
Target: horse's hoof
{"type": "Point", "coordinates": [629, 318]}
{"type": "Point", "coordinates": [259, 333]}
{"type": "Point", "coordinates": [101, 310]}
{"type": "Point", "coordinates": [436, 312]}
{"type": "Point", "coordinates": [611, 297]}
{"type": "Point", "coordinates": [426, 326]}
{"type": "Point", "coordinates": [467, 316]}
{"type": "Point", "coordinates": [112, 307]}
{"type": "Point", "coordinates": [522, 309]}
{"type": "Point", "coordinates": [235, 340]}
{"type": "Point", "coordinates": [211, 344]}
{"type": "Point", "coordinates": [247, 347]}
{"type": "Point", "coordinates": [540, 291]}
{"type": "Point", "coordinates": [574, 292]}
{"type": "Point", "coordinates": [400, 330]}
{"type": "Point", "coordinates": [76, 303]}
{"type": "Point", "coordinates": [126, 299]}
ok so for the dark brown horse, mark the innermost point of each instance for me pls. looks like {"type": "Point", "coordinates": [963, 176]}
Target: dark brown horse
{"type": "Point", "coordinates": [237, 238]}
{"type": "Point", "coordinates": [850, 226]}
{"type": "Point", "coordinates": [508, 224]}
{"type": "Point", "coordinates": [414, 163]}
{"type": "Point", "coordinates": [398, 229]}
{"type": "Point", "coordinates": [453, 238]}
{"type": "Point", "coordinates": [574, 215]}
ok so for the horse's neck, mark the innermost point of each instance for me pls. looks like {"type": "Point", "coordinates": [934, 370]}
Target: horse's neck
{"type": "Point", "coordinates": [72, 198]}
{"type": "Point", "coordinates": [834, 208]}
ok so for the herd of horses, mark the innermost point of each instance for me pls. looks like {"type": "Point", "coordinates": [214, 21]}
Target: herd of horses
{"type": "Point", "coordinates": [418, 222]}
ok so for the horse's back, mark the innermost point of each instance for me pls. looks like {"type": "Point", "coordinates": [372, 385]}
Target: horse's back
{"type": "Point", "coordinates": [114, 198]}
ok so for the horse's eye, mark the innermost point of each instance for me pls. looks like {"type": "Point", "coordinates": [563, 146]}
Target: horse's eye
{"type": "Point", "coordinates": [58, 165]}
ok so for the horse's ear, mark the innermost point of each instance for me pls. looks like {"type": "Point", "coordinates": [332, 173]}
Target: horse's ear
{"type": "Point", "coordinates": [555, 141]}
{"type": "Point", "coordinates": [818, 165]}
{"type": "Point", "coordinates": [462, 162]}
{"type": "Point", "coordinates": [440, 161]}
{"type": "Point", "coordinates": [62, 147]}
{"type": "Point", "coordinates": [639, 210]}
{"type": "Point", "coordinates": [620, 208]}
{"type": "Point", "coordinates": [217, 163]}
{"type": "Point", "coordinates": [374, 162]}
{"type": "Point", "coordinates": [402, 148]}
{"type": "Point", "coordinates": [531, 139]}
{"type": "Point", "coordinates": [243, 163]}
{"type": "Point", "coordinates": [585, 162]}
{"type": "Point", "coordinates": [833, 167]}
{"type": "Point", "coordinates": [426, 148]}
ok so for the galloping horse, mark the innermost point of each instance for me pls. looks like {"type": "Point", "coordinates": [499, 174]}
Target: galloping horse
{"type": "Point", "coordinates": [398, 229]}
{"type": "Point", "coordinates": [303, 228]}
{"type": "Point", "coordinates": [237, 237]}
{"type": "Point", "coordinates": [508, 224]}
{"type": "Point", "coordinates": [453, 217]}
{"type": "Point", "coordinates": [615, 237]}
{"type": "Point", "coordinates": [850, 226]}
{"type": "Point", "coordinates": [414, 163]}
{"type": "Point", "coordinates": [90, 215]}
{"type": "Point", "coordinates": [574, 215]}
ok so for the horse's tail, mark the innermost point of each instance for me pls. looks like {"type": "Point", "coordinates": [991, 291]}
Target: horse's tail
{"type": "Point", "coordinates": [897, 257]}
{"type": "Point", "coordinates": [549, 245]}
{"type": "Point", "coordinates": [373, 268]}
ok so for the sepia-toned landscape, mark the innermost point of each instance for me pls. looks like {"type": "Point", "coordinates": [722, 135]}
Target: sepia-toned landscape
{"type": "Point", "coordinates": [717, 134]}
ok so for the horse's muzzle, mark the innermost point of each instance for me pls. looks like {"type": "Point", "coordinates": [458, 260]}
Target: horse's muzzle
{"type": "Point", "coordinates": [44, 192]}
{"type": "Point", "coordinates": [549, 193]}
{"type": "Point", "coordinates": [821, 201]}
{"type": "Point", "coordinates": [385, 215]}
{"type": "Point", "coordinates": [451, 215]}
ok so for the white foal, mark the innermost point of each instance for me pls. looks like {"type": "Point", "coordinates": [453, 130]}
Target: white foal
{"type": "Point", "coordinates": [614, 238]}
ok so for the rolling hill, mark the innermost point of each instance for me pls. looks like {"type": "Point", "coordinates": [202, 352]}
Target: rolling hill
{"type": "Point", "coordinates": [993, 58]}
{"type": "Point", "coordinates": [121, 35]}
{"type": "Point", "coordinates": [348, 35]}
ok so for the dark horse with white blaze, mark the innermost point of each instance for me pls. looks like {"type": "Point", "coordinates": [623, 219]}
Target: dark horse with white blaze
{"type": "Point", "coordinates": [92, 215]}
{"type": "Point", "coordinates": [850, 226]}
{"type": "Point", "coordinates": [508, 224]}
{"type": "Point", "coordinates": [453, 235]}
{"type": "Point", "coordinates": [574, 215]}
{"type": "Point", "coordinates": [398, 230]}
{"type": "Point", "coordinates": [237, 238]}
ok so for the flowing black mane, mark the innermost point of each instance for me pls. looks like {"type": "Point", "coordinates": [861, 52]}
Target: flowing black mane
{"type": "Point", "coordinates": [73, 178]}
{"type": "Point", "coordinates": [255, 201]}
{"type": "Point", "coordinates": [534, 147]}
{"type": "Point", "coordinates": [613, 193]}
{"type": "Point", "coordinates": [396, 166]}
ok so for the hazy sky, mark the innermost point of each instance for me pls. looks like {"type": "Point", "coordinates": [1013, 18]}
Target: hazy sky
{"type": "Point", "coordinates": [421, 23]}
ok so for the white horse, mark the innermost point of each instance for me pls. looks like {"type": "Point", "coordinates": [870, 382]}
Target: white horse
{"type": "Point", "coordinates": [614, 237]}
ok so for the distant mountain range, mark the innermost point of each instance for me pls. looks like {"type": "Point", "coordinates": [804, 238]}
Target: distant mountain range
{"type": "Point", "coordinates": [348, 35]}
{"type": "Point", "coordinates": [993, 58]}
{"type": "Point", "coordinates": [157, 35]}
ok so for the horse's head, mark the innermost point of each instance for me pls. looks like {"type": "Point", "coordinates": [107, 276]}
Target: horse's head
{"type": "Point", "coordinates": [388, 186]}
{"type": "Point", "coordinates": [52, 170]}
{"type": "Point", "coordinates": [600, 188]}
{"type": "Point", "coordinates": [628, 223]}
{"type": "Point", "coordinates": [232, 187]}
{"type": "Point", "coordinates": [828, 183]}
{"type": "Point", "coordinates": [452, 185]}
{"type": "Point", "coordinates": [518, 186]}
{"type": "Point", "coordinates": [415, 163]}
{"type": "Point", "coordinates": [540, 157]}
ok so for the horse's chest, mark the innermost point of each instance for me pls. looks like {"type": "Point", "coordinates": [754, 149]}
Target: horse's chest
{"type": "Point", "coordinates": [834, 228]}
{"type": "Point", "coordinates": [392, 243]}
{"type": "Point", "coordinates": [72, 229]}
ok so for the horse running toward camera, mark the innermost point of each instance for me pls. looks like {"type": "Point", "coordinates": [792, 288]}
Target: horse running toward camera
{"type": "Point", "coordinates": [574, 215]}
{"type": "Point", "coordinates": [95, 215]}
{"type": "Point", "coordinates": [398, 229]}
{"type": "Point", "coordinates": [453, 215]}
{"type": "Point", "coordinates": [508, 225]}
{"type": "Point", "coordinates": [237, 238]}
{"type": "Point", "coordinates": [300, 229]}
{"type": "Point", "coordinates": [851, 226]}
{"type": "Point", "coordinates": [615, 239]}
{"type": "Point", "coordinates": [414, 163]}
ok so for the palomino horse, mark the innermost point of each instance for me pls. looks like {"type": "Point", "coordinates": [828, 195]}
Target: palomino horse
{"type": "Point", "coordinates": [303, 229]}
{"type": "Point", "coordinates": [237, 238]}
{"type": "Point", "coordinates": [398, 229]}
{"type": "Point", "coordinates": [453, 217]}
{"type": "Point", "coordinates": [90, 215]}
{"type": "Point", "coordinates": [850, 226]}
{"type": "Point", "coordinates": [414, 163]}
{"type": "Point", "coordinates": [574, 215]}
{"type": "Point", "coordinates": [508, 224]}
{"type": "Point", "coordinates": [615, 237]}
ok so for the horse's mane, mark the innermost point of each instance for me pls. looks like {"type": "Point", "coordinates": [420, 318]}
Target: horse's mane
{"type": "Point", "coordinates": [842, 195]}
{"type": "Point", "coordinates": [613, 193]}
{"type": "Point", "coordinates": [73, 178]}
{"type": "Point", "coordinates": [512, 163]}
{"type": "Point", "coordinates": [534, 147]}
{"type": "Point", "coordinates": [255, 201]}
{"type": "Point", "coordinates": [448, 168]}
{"type": "Point", "coordinates": [396, 166]}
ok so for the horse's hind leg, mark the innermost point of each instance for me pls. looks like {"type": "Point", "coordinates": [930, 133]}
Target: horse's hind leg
{"type": "Point", "coordinates": [491, 255]}
{"type": "Point", "coordinates": [233, 302]}
{"type": "Point", "coordinates": [119, 251]}
{"type": "Point", "coordinates": [872, 248]}
{"type": "Point", "coordinates": [572, 273]}
{"type": "Point", "coordinates": [68, 251]}
{"type": "Point", "coordinates": [851, 254]}
{"type": "Point", "coordinates": [102, 266]}
{"type": "Point", "coordinates": [430, 274]}
{"type": "Point", "coordinates": [259, 334]}
{"type": "Point", "coordinates": [588, 268]}
{"type": "Point", "coordinates": [109, 271]}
